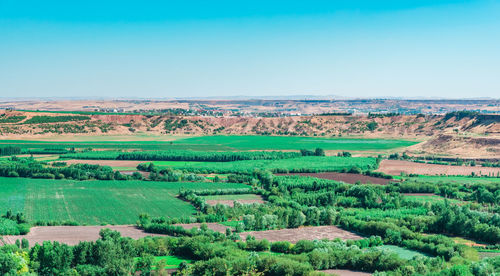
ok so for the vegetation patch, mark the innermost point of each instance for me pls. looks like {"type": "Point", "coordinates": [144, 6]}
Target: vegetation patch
{"type": "Point", "coordinates": [55, 119]}
{"type": "Point", "coordinates": [403, 253]}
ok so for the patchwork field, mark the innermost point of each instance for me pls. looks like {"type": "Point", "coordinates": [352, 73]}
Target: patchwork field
{"type": "Point", "coordinates": [396, 167]}
{"type": "Point", "coordinates": [96, 202]}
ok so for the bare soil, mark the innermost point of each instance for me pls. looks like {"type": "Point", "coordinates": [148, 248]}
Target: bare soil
{"type": "Point", "coordinates": [351, 178]}
{"type": "Point", "coordinates": [72, 235]}
{"type": "Point", "coordinates": [396, 167]}
{"type": "Point", "coordinates": [460, 146]}
{"type": "Point", "coordinates": [345, 272]}
{"type": "Point", "coordinates": [303, 233]}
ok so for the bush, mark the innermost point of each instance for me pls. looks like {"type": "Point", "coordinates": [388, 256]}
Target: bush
{"type": "Point", "coordinates": [281, 247]}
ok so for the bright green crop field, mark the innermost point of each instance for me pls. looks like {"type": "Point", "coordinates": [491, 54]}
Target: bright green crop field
{"type": "Point", "coordinates": [317, 163]}
{"type": "Point", "coordinates": [294, 142]}
{"type": "Point", "coordinates": [97, 202]}
{"type": "Point", "coordinates": [225, 143]}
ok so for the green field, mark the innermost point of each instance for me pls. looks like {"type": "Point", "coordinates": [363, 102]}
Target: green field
{"type": "Point", "coordinates": [225, 143]}
{"type": "Point", "coordinates": [309, 163]}
{"type": "Point", "coordinates": [97, 202]}
{"type": "Point", "coordinates": [402, 252]}
{"type": "Point", "coordinates": [293, 142]}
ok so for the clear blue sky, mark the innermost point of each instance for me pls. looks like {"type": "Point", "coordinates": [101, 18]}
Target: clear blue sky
{"type": "Point", "coordinates": [226, 48]}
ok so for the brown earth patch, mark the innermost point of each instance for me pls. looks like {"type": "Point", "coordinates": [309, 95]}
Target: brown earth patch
{"type": "Point", "coordinates": [396, 167]}
{"type": "Point", "coordinates": [345, 272]}
{"type": "Point", "coordinates": [130, 172]}
{"type": "Point", "coordinates": [346, 177]}
{"type": "Point", "coordinates": [72, 235]}
{"type": "Point", "coordinates": [303, 233]}
{"type": "Point", "coordinates": [211, 225]}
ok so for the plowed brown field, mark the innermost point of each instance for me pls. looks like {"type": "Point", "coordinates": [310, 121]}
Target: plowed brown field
{"type": "Point", "coordinates": [72, 235]}
{"type": "Point", "coordinates": [396, 167]}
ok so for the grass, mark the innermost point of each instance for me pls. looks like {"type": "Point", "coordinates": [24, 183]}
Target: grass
{"type": "Point", "coordinates": [371, 214]}
{"type": "Point", "coordinates": [469, 242]}
{"type": "Point", "coordinates": [308, 163]}
{"type": "Point", "coordinates": [487, 254]}
{"type": "Point", "coordinates": [431, 199]}
{"type": "Point", "coordinates": [295, 143]}
{"type": "Point", "coordinates": [97, 202]}
{"type": "Point", "coordinates": [232, 223]}
{"type": "Point", "coordinates": [172, 262]}
{"type": "Point", "coordinates": [402, 252]}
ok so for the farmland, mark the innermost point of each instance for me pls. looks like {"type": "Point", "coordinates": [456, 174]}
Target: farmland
{"type": "Point", "coordinates": [284, 197]}
{"type": "Point", "coordinates": [227, 143]}
{"type": "Point", "coordinates": [289, 143]}
{"type": "Point", "coordinates": [96, 202]}
{"type": "Point", "coordinates": [396, 167]}
{"type": "Point", "coordinates": [301, 164]}
{"type": "Point", "coordinates": [346, 177]}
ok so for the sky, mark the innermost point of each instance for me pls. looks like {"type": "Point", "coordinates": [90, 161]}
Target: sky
{"type": "Point", "coordinates": [163, 49]}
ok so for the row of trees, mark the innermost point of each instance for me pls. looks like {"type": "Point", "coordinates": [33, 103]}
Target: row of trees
{"type": "Point", "coordinates": [10, 150]}
{"type": "Point", "coordinates": [28, 167]}
{"type": "Point", "coordinates": [184, 155]}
